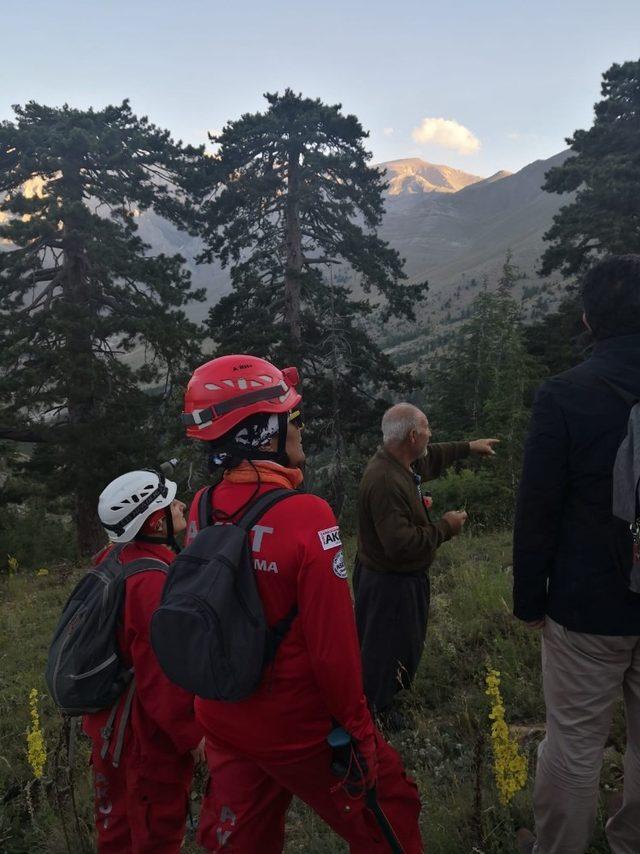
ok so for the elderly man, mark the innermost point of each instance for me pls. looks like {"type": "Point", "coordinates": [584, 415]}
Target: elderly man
{"type": "Point", "coordinates": [397, 543]}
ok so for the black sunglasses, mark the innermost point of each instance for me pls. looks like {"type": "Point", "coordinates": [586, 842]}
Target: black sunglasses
{"type": "Point", "coordinates": [295, 418]}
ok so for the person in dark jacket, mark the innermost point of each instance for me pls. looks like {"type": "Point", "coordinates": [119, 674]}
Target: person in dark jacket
{"type": "Point", "coordinates": [572, 560]}
{"type": "Point", "coordinates": [397, 543]}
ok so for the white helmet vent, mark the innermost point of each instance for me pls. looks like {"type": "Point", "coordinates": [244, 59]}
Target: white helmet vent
{"type": "Point", "coordinates": [130, 499]}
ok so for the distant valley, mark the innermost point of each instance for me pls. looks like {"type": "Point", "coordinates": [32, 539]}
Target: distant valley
{"type": "Point", "coordinates": [452, 227]}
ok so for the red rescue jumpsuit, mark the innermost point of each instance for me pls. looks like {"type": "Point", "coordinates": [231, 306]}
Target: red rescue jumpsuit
{"type": "Point", "coordinates": [141, 806]}
{"type": "Point", "coordinates": [265, 749]}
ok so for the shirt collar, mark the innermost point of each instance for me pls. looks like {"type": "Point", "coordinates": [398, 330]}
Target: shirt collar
{"type": "Point", "coordinates": [620, 343]}
{"type": "Point", "coordinates": [382, 453]}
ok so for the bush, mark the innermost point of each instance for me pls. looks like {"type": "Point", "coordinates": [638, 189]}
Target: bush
{"type": "Point", "coordinates": [34, 537]}
{"type": "Point", "coordinates": [487, 499]}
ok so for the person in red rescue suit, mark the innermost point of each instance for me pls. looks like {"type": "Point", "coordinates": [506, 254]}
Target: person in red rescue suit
{"type": "Point", "coordinates": [263, 750]}
{"type": "Point", "coordinates": [142, 786]}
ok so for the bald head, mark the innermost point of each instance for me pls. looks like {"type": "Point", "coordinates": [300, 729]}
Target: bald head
{"type": "Point", "coordinates": [399, 421]}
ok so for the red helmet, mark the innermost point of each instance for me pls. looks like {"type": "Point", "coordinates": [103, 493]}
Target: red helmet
{"type": "Point", "coordinates": [223, 392]}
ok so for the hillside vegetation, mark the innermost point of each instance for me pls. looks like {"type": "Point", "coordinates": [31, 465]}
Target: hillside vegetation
{"type": "Point", "coordinates": [446, 749]}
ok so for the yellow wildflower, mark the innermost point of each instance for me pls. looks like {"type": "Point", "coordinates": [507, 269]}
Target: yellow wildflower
{"type": "Point", "coordinates": [36, 750]}
{"type": "Point", "coordinates": [42, 571]}
{"type": "Point", "coordinates": [12, 564]}
{"type": "Point", "coordinates": [509, 765]}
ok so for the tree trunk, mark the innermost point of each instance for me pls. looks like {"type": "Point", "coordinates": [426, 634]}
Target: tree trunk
{"type": "Point", "coordinates": [294, 258]}
{"type": "Point", "coordinates": [90, 536]}
{"type": "Point", "coordinates": [81, 405]}
{"type": "Point", "coordinates": [337, 471]}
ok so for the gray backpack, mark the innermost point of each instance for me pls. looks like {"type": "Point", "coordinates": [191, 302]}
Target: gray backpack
{"type": "Point", "coordinates": [84, 671]}
{"type": "Point", "coordinates": [210, 633]}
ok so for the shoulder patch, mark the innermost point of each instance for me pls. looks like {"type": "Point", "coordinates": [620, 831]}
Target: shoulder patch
{"type": "Point", "coordinates": [330, 537]}
{"type": "Point", "coordinates": [339, 567]}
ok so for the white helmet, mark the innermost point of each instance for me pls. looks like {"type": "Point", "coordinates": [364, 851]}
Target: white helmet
{"type": "Point", "coordinates": [130, 499]}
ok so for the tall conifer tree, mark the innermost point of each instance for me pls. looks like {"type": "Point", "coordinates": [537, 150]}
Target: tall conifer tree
{"type": "Point", "coordinates": [298, 200]}
{"type": "Point", "coordinates": [87, 316]}
{"type": "Point", "coordinates": [604, 172]}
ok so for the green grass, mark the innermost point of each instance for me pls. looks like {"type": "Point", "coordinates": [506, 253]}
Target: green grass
{"type": "Point", "coordinates": [446, 750]}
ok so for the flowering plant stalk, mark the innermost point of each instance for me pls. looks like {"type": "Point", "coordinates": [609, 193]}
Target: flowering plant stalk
{"type": "Point", "coordinates": [36, 750]}
{"type": "Point", "coordinates": [509, 764]}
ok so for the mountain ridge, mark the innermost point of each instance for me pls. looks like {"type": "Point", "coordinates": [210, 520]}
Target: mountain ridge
{"type": "Point", "coordinates": [413, 175]}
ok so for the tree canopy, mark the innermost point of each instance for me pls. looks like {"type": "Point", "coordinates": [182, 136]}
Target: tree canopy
{"type": "Point", "coordinates": [295, 217]}
{"type": "Point", "coordinates": [604, 173]}
{"type": "Point", "coordinates": [88, 317]}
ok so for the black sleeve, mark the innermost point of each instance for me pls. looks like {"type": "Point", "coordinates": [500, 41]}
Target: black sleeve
{"type": "Point", "coordinates": [539, 506]}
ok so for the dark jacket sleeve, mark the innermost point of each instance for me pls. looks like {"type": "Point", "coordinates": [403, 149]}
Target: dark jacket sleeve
{"type": "Point", "coordinates": [539, 506]}
{"type": "Point", "coordinates": [440, 456]}
{"type": "Point", "coordinates": [402, 540]}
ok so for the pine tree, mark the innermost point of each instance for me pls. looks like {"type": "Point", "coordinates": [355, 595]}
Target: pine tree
{"type": "Point", "coordinates": [559, 340]}
{"type": "Point", "coordinates": [604, 172]}
{"type": "Point", "coordinates": [87, 316]}
{"type": "Point", "coordinates": [481, 386]}
{"type": "Point", "coordinates": [298, 199]}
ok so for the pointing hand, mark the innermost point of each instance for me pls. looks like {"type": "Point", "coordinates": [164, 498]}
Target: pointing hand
{"type": "Point", "coordinates": [483, 447]}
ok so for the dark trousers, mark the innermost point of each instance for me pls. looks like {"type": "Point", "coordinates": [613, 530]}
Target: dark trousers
{"type": "Point", "coordinates": [392, 609]}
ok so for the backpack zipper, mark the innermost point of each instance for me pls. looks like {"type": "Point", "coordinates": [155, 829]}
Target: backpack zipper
{"type": "Point", "coordinates": [96, 669]}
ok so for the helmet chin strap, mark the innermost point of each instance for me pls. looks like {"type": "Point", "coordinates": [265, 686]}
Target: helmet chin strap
{"type": "Point", "coordinates": [169, 539]}
{"type": "Point", "coordinates": [238, 453]}
{"type": "Point", "coordinates": [280, 454]}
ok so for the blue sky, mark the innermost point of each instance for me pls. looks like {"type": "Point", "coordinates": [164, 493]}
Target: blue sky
{"type": "Point", "coordinates": [509, 79]}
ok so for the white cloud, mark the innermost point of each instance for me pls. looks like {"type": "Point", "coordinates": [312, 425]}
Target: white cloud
{"type": "Point", "coordinates": [388, 131]}
{"type": "Point", "coordinates": [446, 133]}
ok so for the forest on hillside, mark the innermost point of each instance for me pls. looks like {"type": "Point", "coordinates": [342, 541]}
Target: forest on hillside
{"type": "Point", "coordinates": [96, 345]}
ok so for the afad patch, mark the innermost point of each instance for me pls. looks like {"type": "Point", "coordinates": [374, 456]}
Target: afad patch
{"type": "Point", "coordinates": [330, 538]}
{"type": "Point", "coordinates": [339, 567]}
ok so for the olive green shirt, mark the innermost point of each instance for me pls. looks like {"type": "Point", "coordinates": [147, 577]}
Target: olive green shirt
{"type": "Point", "coordinates": [395, 533]}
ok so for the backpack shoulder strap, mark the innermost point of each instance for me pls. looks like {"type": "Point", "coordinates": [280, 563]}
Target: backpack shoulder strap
{"type": "Point", "coordinates": [205, 517]}
{"type": "Point", "coordinates": [277, 633]}
{"type": "Point", "coordinates": [629, 399]}
{"type": "Point", "coordinates": [114, 554]}
{"type": "Point", "coordinates": [260, 506]}
{"type": "Point", "coordinates": [144, 564]}
{"type": "Point", "coordinates": [110, 566]}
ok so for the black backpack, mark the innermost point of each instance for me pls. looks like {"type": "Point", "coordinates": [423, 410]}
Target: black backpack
{"type": "Point", "coordinates": [84, 671]}
{"type": "Point", "coordinates": [210, 633]}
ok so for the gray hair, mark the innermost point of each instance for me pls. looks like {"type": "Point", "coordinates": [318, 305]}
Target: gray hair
{"type": "Point", "coordinates": [398, 421]}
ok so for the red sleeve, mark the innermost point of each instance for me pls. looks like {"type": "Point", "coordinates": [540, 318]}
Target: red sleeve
{"type": "Point", "coordinates": [328, 622]}
{"type": "Point", "coordinates": [192, 521]}
{"type": "Point", "coordinates": [168, 705]}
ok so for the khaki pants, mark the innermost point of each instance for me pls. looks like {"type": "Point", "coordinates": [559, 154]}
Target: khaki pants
{"type": "Point", "coordinates": [582, 677]}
